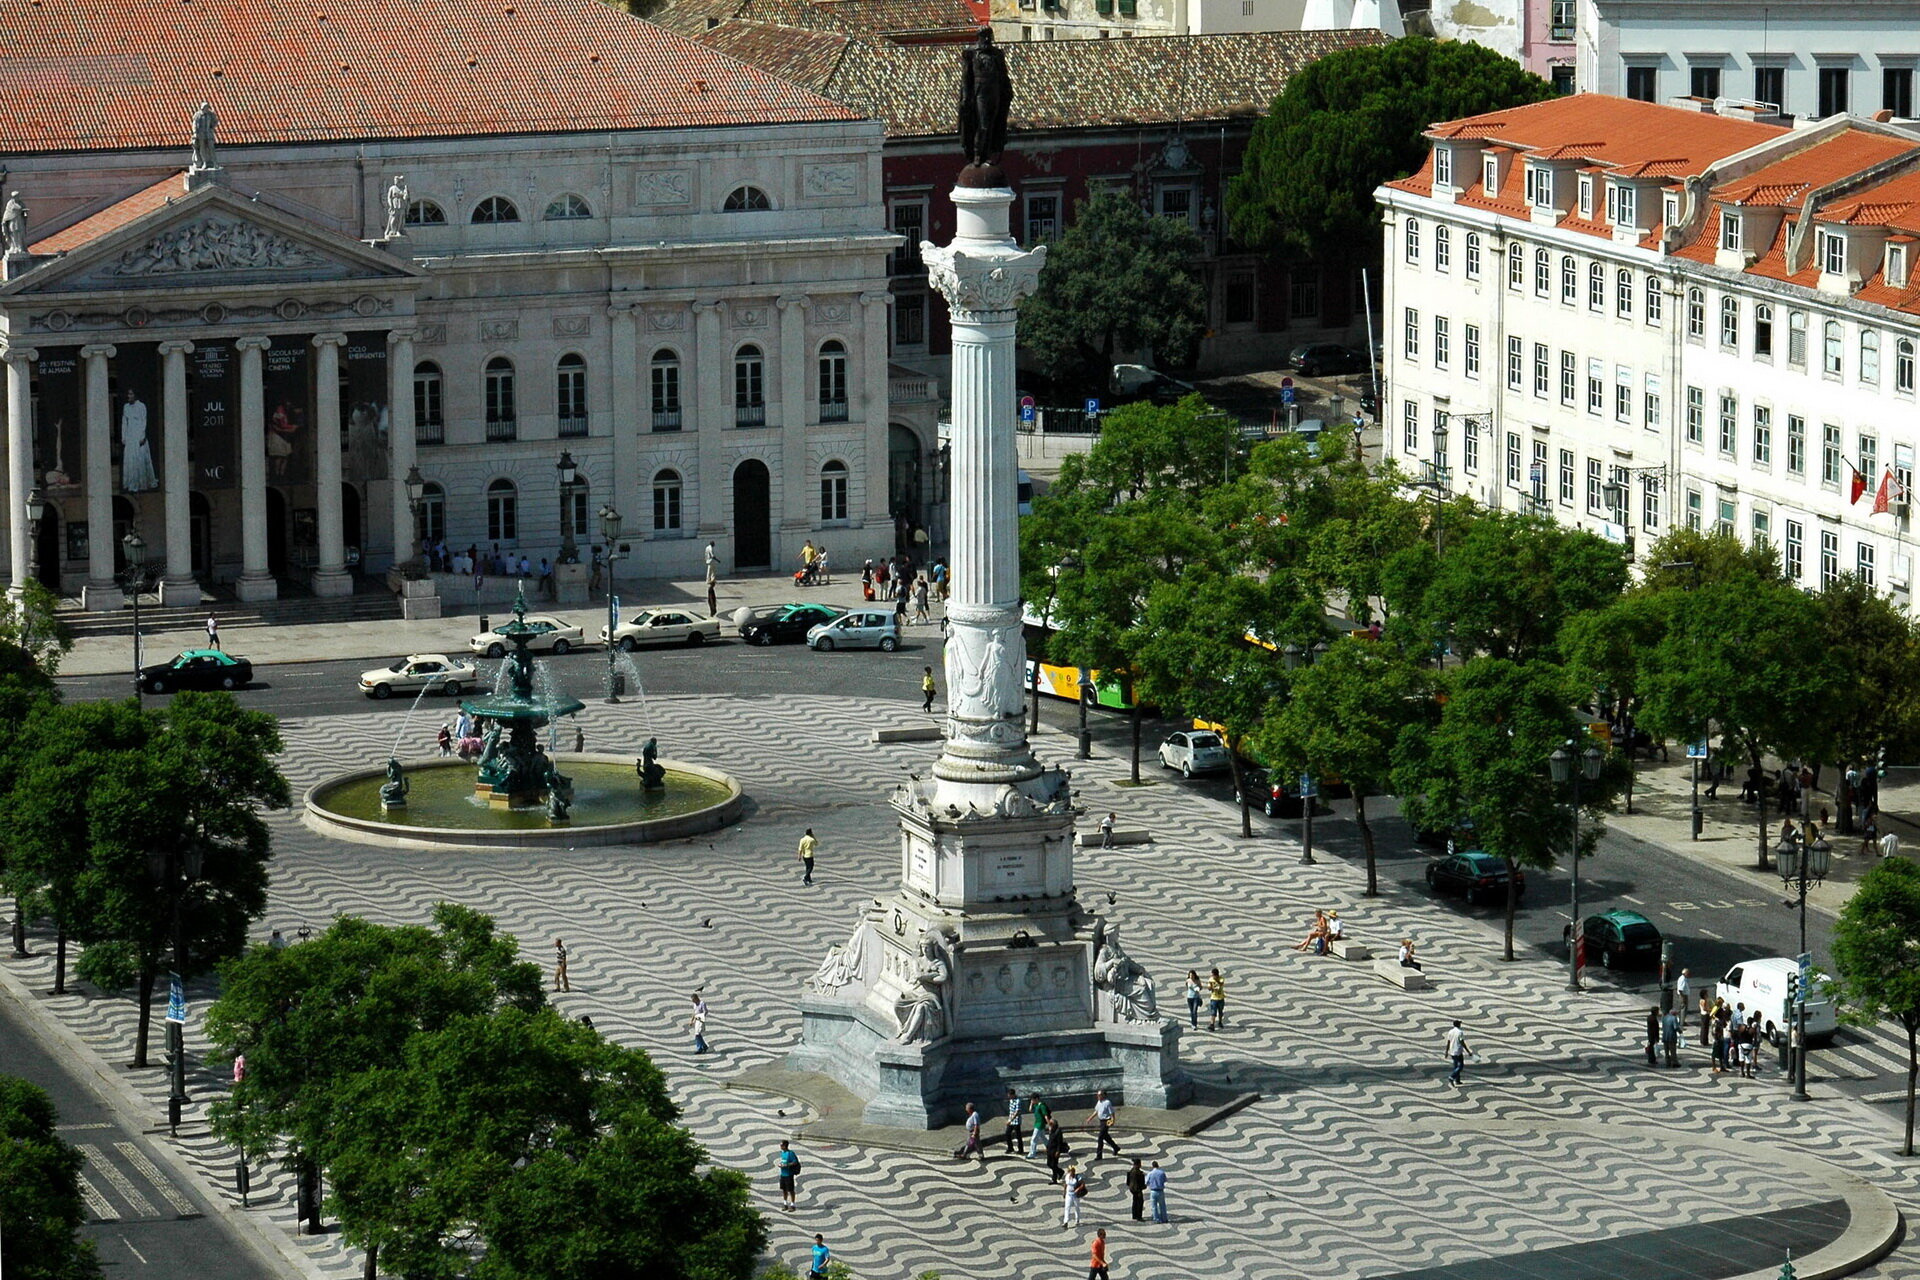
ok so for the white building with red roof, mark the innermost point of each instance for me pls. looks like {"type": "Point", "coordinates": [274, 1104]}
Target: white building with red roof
{"type": "Point", "coordinates": [1625, 315]}
{"type": "Point", "coordinates": [455, 237]}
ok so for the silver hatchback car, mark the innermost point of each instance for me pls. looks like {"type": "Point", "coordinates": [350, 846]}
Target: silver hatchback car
{"type": "Point", "coordinates": [860, 629]}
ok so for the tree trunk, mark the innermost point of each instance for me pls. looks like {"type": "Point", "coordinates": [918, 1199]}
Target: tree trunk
{"type": "Point", "coordinates": [1240, 791]}
{"type": "Point", "coordinates": [60, 960]}
{"type": "Point", "coordinates": [146, 1015]}
{"type": "Point", "coordinates": [1632, 771]}
{"type": "Point", "coordinates": [1366, 840]}
{"type": "Point", "coordinates": [20, 951]}
{"type": "Point", "coordinates": [1136, 740]}
{"type": "Point", "coordinates": [372, 1268]}
{"type": "Point", "coordinates": [1513, 903]}
{"type": "Point", "coordinates": [1913, 1075]}
{"type": "Point", "coordinates": [1761, 805]}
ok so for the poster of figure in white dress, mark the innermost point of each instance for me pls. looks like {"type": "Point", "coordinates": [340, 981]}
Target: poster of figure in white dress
{"type": "Point", "coordinates": [136, 452]}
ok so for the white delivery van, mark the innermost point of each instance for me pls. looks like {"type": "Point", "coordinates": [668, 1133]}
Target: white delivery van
{"type": "Point", "coordinates": [1762, 985]}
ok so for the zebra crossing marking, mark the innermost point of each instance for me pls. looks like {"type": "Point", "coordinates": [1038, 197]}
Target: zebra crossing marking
{"type": "Point", "coordinates": [141, 1206]}
{"type": "Point", "coordinates": [97, 1204]}
{"type": "Point", "coordinates": [161, 1183]}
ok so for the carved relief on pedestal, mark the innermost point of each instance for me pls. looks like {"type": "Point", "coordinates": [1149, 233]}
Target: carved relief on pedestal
{"type": "Point", "coordinates": [977, 282]}
{"type": "Point", "coordinates": [985, 658]}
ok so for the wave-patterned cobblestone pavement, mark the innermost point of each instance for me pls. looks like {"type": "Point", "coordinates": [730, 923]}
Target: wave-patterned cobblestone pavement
{"type": "Point", "coordinates": [1358, 1161]}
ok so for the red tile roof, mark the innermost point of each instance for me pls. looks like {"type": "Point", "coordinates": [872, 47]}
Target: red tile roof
{"type": "Point", "coordinates": [77, 77]}
{"type": "Point", "coordinates": [1627, 136]}
{"type": "Point", "coordinates": [1894, 203]}
{"type": "Point", "coordinates": [113, 217]}
{"type": "Point", "coordinates": [1786, 181]}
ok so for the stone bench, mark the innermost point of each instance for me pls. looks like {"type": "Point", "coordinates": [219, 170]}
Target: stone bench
{"type": "Point", "coordinates": [1401, 976]}
{"type": "Point", "coordinates": [909, 733]}
{"type": "Point", "coordinates": [1121, 835]}
{"type": "Point", "coordinates": [1347, 949]}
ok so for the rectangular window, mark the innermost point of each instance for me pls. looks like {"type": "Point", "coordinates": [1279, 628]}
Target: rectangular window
{"type": "Point", "coordinates": [1237, 300]}
{"type": "Point", "coordinates": [1470, 446]}
{"type": "Point", "coordinates": [1540, 370]}
{"type": "Point", "coordinates": [1829, 557]}
{"type": "Point", "coordinates": [1770, 85]}
{"type": "Point", "coordinates": [1650, 503]}
{"type": "Point", "coordinates": [1870, 459]}
{"type": "Point", "coordinates": [1176, 204]}
{"type": "Point", "coordinates": [1705, 82]}
{"type": "Point", "coordinates": [1863, 563]}
{"type": "Point", "coordinates": [1566, 477]}
{"type": "Point", "coordinates": [1629, 210]}
{"type": "Point", "coordinates": [1303, 293]}
{"type": "Point", "coordinates": [1516, 365]}
{"type": "Point", "coordinates": [1696, 415]}
{"type": "Point", "coordinates": [1490, 173]}
{"type": "Point", "coordinates": [1596, 394]}
{"type": "Point", "coordinates": [910, 220]}
{"type": "Point", "coordinates": [1560, 20]}
{"type": "Point", "coordinates": [1568, 388]}
{"type": "Point", "coordinates": [1896, 91]}
{"type": "Point", "coordinates": [1651, 419]}
{"type": "Point", "coordinates": [1533, 182]}
{"type": "Point", "coordinates": [1762, 525]}
{"type": "Point", "coordinates": [1471, 355]}
{"type": "Point", "coordinates": [1833, 91]}
{"type": "Point", "coordinates": [1586, 198]}
{"type": "Point", "coordinates": [1829, 454]}
{"type": "Point", "coordinates": [1443, 166]}
{"type": "Point", "coordinates": [1410, 428]}
{"type": "Point", "coordinates": [1723, 521]}
{"type": "Point", "coordinates": [1537, 473]}
{"type": "Point", "coordinates": [910, 319]}
{"type": "Point", "coordinates": [1795, 548]}
{"type": "Point", "coordinates": [1796, 445]}
{"type": "Point", "coordinates": [1043, 218]}
{"type": "Point", "coordinates": [1513, 459]}
{"type": "Point", "coordinates": [1623, 401]}
{"type": "Point", "coordinates": [1643, 83]}
{"type": "Point", "coordinates": [1442, 341]}
{"type": "Point", "coordinates": [1693, 510]}
{"type": "Point", "coordinates": [1833, 253]}
{"type": "Point", "coordinates": [1762, 436]}
{"type": "Point", "coordinates": [1729, 424]}
{"type": "Point", "coordinates": [1593, 484]}
{"type": "Point", "coordinates": [1410, 335]}
{"type": "Point", "coordinates": [1730, 231]}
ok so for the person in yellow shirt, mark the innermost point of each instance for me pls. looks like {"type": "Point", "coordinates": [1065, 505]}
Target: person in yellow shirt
{"type": "Point", "coordinates": [1216, 1001]}
{"type": "Point", "coordinates": [927, 689]}
{"type": "Point", "coordinates": [807, 846]}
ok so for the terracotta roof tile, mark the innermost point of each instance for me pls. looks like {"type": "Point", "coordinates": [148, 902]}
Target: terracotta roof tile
{"type": "Point", "coordinates": [1786, 181]}
{"type": "Point", "coordinates": [74, 77]}
{"type": "Point", "coordinates": [112, 218]}
{"type": "Point", "coordinates": [1632, 137]}
{"type": "Point", "coordinates": [1894, 203]}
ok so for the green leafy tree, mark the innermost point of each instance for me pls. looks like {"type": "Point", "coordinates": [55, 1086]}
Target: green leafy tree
{"type": "Point", "coordinates": [1485, 762]}
{"type": "Point", "coordinates": [1877, 653]}
{"type": "Point", "coordinates": [1116, 281]}
{"type": "Point", "coordinates": [1876, 951]}
{"type": "Point", "coordinates": [25, 690]}
{"type": "Point", "coordinates": [1345, 716]}
{"type": "Point", "coordinates": [41, 1210]}
{"type": "Point", "coordinates": [1686, 558]}
{"type": "Point", "coordinates": [178, 860]}
{"type": "Point", "coordinates": [1609, 650]}
{"type": "Point", "coordinates": [1347, 123]}
{"type": "Point", "coordinates": [31, 622]}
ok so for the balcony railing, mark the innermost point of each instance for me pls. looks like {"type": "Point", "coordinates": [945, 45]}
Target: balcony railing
{"type": "Point", "coordinates": [833, 411]}
{"type": "Point", "coordinates": [750, 415]}
{"type": "Point", "coordinates": [503, 429]}
{"type": "Point", "coordinates": [666, 419]}
{"type": "Point", "coordinates": [434, 432]}
{"type": "Point", "coordinates": [907, 390]}
{"type": "Point", "coordinates": [573, 426]}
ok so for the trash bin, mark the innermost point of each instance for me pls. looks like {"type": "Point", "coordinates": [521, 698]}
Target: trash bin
{"type": "Point", "coordinates": [1786, 1053]}
{"type": "Point", "coordinates": [485, 624]}
{"type": "Point", "coordinates": [618, 685]}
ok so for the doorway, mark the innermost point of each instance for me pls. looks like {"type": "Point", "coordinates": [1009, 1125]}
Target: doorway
{"type": "Point", "coordinates": [200, 534]}
{"type": "Point", "coordinates": [350, 531]}
{"type": "Point", "coordinates": [276, 533]}
{"type": "Point", "coordinates": [752, 520]}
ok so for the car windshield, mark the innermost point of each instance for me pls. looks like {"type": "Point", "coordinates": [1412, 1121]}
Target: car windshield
{"type": "Point", "coordinates": [399, 666]}
{"type": "Point", "coordinates": [1205, 740]}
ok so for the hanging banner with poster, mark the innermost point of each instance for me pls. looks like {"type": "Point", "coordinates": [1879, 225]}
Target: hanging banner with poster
{"type": "Point", "coordinates": [59, 424]}
{"type": "Point", "coordinates": [364, 402]}
{"type": "Point", "coordinates": [289, 417]}
{"type": "Point", "coordinates": [136, 416]}
{"type": "Point", "coordinates": [212, 406]}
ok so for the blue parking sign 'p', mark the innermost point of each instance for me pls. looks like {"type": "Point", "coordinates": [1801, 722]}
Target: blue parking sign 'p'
{"type": "Point", "coordinates": [1026, 413]}
{"type": "Point", "coordinates": [1093, 405]}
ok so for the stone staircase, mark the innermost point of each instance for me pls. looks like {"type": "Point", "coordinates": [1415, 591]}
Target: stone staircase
{"type": "Point", "coordinates": [297, 606]}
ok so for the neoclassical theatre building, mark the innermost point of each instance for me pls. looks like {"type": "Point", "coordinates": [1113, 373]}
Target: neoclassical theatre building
{"type": "Point", "coordinates": [464, 237]}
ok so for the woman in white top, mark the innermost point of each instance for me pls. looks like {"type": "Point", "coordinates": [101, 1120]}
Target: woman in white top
{"type": "Point", "coordinates": [1406, 954]}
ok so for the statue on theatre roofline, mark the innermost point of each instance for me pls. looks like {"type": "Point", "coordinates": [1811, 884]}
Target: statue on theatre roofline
{"type": "Point", "coordinates": [204, 123]}
{"type": "Point", "coordinates": [986, 92]}
{"type": "Point", "coordinates": [397, 207]}
{"type": "Point", "coordinates": [13, 224]}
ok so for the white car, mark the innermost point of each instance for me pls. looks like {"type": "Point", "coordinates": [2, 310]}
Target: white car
{"type": "Point", "coordinates": [420, 671]}
{"type": "Point", "coordinates": [860, 629]}
{"type": "Point", "coordinates": [1194, 751]}
{"type": "Point", "coordinates": [550, 634]}
{"type": "Point", "coordinates": [663, 626]}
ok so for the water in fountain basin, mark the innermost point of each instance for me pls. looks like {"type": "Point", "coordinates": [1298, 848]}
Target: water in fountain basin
{"type": "Point", "coordinates": [623, 664]}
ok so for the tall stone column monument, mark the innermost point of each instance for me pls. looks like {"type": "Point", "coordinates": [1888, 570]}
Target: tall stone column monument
{"type": "Point", "coordinates": [982, 969]}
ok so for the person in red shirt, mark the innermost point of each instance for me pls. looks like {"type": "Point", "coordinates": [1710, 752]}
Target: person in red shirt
{"type": "Point", "coordinates": [1097, 1260]}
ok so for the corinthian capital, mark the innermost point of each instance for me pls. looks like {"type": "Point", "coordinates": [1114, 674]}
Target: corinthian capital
{"type": "Point", "coordinates": [973, 281]}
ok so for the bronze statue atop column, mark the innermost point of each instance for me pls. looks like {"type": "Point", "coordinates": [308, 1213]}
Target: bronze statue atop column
{"type": "Point", "coordinates": [986, 93]}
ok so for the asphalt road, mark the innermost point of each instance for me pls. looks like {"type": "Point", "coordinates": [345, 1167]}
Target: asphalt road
{"type": "Point", "coordinates": [143, 1222]}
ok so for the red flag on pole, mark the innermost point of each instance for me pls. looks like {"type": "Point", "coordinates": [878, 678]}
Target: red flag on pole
{"type": "Point", "coordinates": [1882, 499]}
{"type": "Point", "coordinates": [1858, 487]}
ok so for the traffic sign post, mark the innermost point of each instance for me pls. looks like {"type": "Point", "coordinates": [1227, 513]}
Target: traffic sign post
{"type": "Point", "coordinates": [176, 1000]}
{"type": "Point", "coordinates": [1028, 410]}
{"type": "Point", "coordinates": [1286, 395]}
{"type": "Point", "coordinates": [1697, 750]}
{"type": "Point", "coordinates": [1093, 405]}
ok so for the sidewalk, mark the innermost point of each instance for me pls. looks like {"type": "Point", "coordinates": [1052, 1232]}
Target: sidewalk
{"type": "Point", "coordinates": [390, 638]}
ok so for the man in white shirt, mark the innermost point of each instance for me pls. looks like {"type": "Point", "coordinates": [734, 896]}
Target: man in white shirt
{"type": "Point", "coordinates": [1683, 994]}
{"type": "Point", "coordinates": [1457, 1052]}
{"type": "Point", "coordinates": [1103, 1117]}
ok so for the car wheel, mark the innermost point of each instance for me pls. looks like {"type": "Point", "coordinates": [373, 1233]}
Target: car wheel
{"type": "Point", "coordinates": [1186, 771]}
{"type": "Point", "coordinates": [627, 645]}
{"type": "Point", "coordinates": [453, 688]}
{"type": "Point", "coordinates": [382, 692]}
{"type": "Point", "coordinates": [1473, 897]}
{"type": "Point", "coordinates": [228, 682]}
{"type": "Point", "coordinates": [1433, 884]}
{"type": "Point", "coordinates": [763, 637]}
{"type": "Point", "coordinates": [561, 647]}
{"type": "Point", "coordinates": [1606, 958]}
{"type": "Point", "coordinates": [888, 644]}
{"type": "Point", "coordinates": [496, 650]}
{"type": "Point", "coordinates": [696, 638]}
{"type": "Point", "coordinates": [1775, 1036]}
{"type": "Point", "coordinates": [156, 686]}
{"type": "Point", "coordinates": [824, 644]}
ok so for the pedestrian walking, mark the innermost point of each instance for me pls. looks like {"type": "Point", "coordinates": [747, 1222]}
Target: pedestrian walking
{"type": "Point", "coordinates": [560, 982]}
{"type": "Point", "coordinates": [1097, 1257]}
{"type": "Point", "coordinates": [213, 632]}
{"type": "Point", "coordinates": [1070, 1203]}
{"type": "Point", "coordinates": [579, 740]}
{"type": "Point", "coordinates": [277, 942]}
{"type": "Point", "coordinates": [972, 1144]}
{"type": "Point", "coordinates": [1193, 998]}
{"type": "Point", "coordinates": [1653, 1034]}
{"type": "Point", "coordinates": [1216, 1001]}
{"type": "Point", "coordinates": [807, 845]}
{"type": "Point", "coordinates": [1106, 830]}
{"type": "Point", "coordinates": [1670, 1037]}
{"type": "Point", "coordinates": [1014, 1146]}
{"type": "Point", "coordinates": [821, 1256]}
{"type": "Point", "coordinates": [1101, 1117]}
{"type": "Point", "coordinates": [1137, 1188]}
{"type": "Point", "coordinates": [599, 573]}
{"type": "Point", "coordinates": [787, 1164]}
{"type": "Point", "coordinates": [920, 600]}
{"type": "Point", "coordinates": [1683, 993]}
{"type": "Point", "coordinates": [1457, 1051]}
{"type": "Point", "coordinates": [1056, 1147]}
{"type": "Point", "coordinates": [1038, 1113]}
{"type": "Point", "coordinates": [927, 690]}
{"type": "Point", "coordinates": [1157, 1191]}
{"type": "Point", "coordinates": [713, 565]}
{"type": "Point", "coordinates": [446, 739]}
{"type": "Point", "coordinates": [699, 1023]}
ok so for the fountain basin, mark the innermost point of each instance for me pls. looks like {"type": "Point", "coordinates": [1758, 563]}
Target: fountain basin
{"type": "Point", "coordinates": [442, 810]}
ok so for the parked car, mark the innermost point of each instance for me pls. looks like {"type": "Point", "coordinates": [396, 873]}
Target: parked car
{"type": "Point", "coordinates": [550, 635]}
{"type": "Point", "coordinates": [860, 629]}
{"type": "Point", "coordinates": [1477, 875]}
{"type": "Point", "coordinates": [1617, 940]}
{"type": "Point", "coordinates": [662, 626]}
{"type": "Point", "coordinates": [1762, 985]}
{"type": "Point", "coordinates": [1138, 382]}
{"type": "Point", "coordinates": [197, 669]}
{"type": "Point", "coordinates": [789, 624]}
{"type": "Point", "coordinates": [1276, 797]}
{"type": "Point", "coordinates": [1323, 359]}
{"type": "Point", "coordinates": [1194, 751]}
{"type": "Point", "coordinates": [419, 671]}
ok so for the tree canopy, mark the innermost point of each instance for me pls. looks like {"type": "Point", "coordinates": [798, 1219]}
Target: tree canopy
{"type": "Point", "coordinates": [40, 1204]}
{"type": "Point", "coordinates": [1350, 121]}
{"type": "Point", "coordinates": [1876, 949]}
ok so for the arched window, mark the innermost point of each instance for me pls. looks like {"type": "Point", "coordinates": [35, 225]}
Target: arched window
{"type": "Point", "coordinates": [433, 512]}
{"type": "Point", "coordinates": [666, 502]}
{"type": "Point", "coordinates": [1870, 356]}
{"type": "Point", "coordinates": [1516, 267]}
{"type": "Point", "coordinates": [570, 394]}
{"type": "Point", "coordinates": [1623, 294]}
{"type": "Point", "coordinates": [749, 388]}
{"type": "Point", "coordinates": [833, 382]}
{"type": "Point", "coordinates": [494, 210]}
{"type": "Point", "coordinates": [503, 511]}
{"type": "Point", "coordinates": [1655, 299]}
{"type": "Point", "coordinates": [746, 200]}
{"type": "Point", "coordinates": [1830, 348]}
{"type": "Point", "coordinates": [1903, 365]}
{"type": "Point", "coordinates": [833, 492]}
{"type": "Point", "coordinates": [1442, 248]}
{"type": "Point", "coordinates": [1473, 255]}
{"type": "Point", "coordinates": [425, 213]}
{"type": "Point", "coordinates": [502, 421]}
{"type": "Point", "coordinates": [1596, 287]}
{"type": "Point", "coordinates": [1412, 238]}
{"type": "Point", "coordinates": [429, 408]}
{"type": "Point", "coordinates": [567, 208]}
{"type": "Point", "coordinates": [1696, 314]}
{"type": "Point", "coordinates": [1729, 321]}
{"type": "Point", "coordinates": [1569, 280]}
{"type": "Point", "coordinates": [665, 372]}
{"type": "Point", "coordinates": [1763, 330]}
{"type": "Point", "coordinates": [1542, 272]}
{"type": "Point", "coordinates": [1797, 338]}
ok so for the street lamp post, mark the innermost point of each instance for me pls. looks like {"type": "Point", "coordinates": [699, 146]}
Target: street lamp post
{"type": "Point", "coordinates": [135, 579]}
{"type": "Point", "coordinates": [1295, 656]}
{"type": "Point", "coordinates": [1697, 818]}
{"type": "Point", "coordinates": [416, 487]}
{"type": "Point", "coordinates": [36, 512]}
{"type": "Point", "coordinates": [569, 550]}
{"type": "Point", "coordinates": [1807, 858]}
{"type": "Point", "coordinates": [1561, 763]}
{"type": "Point", "coordinates": [1440, 480]}
{"type": "Point", "coordinates": [610, 522]}
{"type": "Point", "coordinates": [177, 875]}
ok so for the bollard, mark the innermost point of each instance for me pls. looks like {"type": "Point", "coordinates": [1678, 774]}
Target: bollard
{"type": "Point", "coordinates": [243, 1182]}
{"type": "Point", "coordinates": [484, 624]}
{"type": "Point", "coordinates": [173, 1115]}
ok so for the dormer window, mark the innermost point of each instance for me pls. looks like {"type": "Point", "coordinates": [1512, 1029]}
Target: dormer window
{"type": "Point", "coordinates": [1896, 270]}
{"type": "Point", "coordinates": [1833, 253]}
{"type": "Point", "coordinates": [1670, 209]}
{"type": "Point", "coordinates": [1539, 186]}
{"type": "Point", "coordinates": [1627, 214]}
{"type": "Point", "coordinates": [1443, 166]}
{"type": "Point", "coordinates": [1586, 195]}
{"type": "Point", "coordinates": [1730, 232]}
{"type": "Point", "coordinates": [1490, 173]}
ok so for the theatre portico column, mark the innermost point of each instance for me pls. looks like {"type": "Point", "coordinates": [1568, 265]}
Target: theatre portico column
{"type": "Point", "coordinates": [101, 591]}
{"type": "Point", "coordinates": [19, 463]}
{"type": "Point", "coordinates": [331, 578]}
{"type": "Point", "coordinates": [795, 511]}
{"type": "Point", "coordinates": [255, 583]}
{"type": "Point", "coordinates": [176, 476]}
{"type": "Point", "coordinates": [400, 441]}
